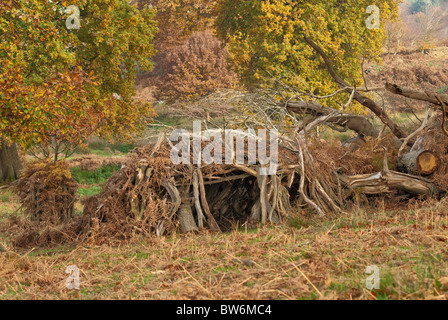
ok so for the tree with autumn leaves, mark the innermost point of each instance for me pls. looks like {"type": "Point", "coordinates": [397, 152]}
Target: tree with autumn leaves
{"type": "Point", "coordinates": [271, 39]}
{"type": "Point", "coordinates": [60, 85]}
{"type": "Point", "coordinates": [317, 48]}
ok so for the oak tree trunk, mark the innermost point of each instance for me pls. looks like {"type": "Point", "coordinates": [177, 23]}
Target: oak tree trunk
{"type": "Point", "coordinates": [10, 165]}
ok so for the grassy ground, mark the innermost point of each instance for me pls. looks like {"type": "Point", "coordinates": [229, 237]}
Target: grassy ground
{"type": "Point", "coordinates": [91, 182]}
{"type": "Point", "coordinates": [306, 258]}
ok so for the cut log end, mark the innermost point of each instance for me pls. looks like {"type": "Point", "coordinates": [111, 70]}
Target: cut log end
{"type": "Point", "coordinates": [427, 163]}
{"type": "Point", "coordinates": [421, 162]}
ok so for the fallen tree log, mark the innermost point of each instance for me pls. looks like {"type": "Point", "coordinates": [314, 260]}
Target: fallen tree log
{"type": "Point", "coordinates": [418, 162]}
{"type": "Point", "coordinates": [356, 123]}
{"type": "Point", "coordinates": [390, 181]}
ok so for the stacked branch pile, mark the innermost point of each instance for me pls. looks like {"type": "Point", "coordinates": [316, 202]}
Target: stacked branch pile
{"type": "Point", "coordinates": [150, 194]}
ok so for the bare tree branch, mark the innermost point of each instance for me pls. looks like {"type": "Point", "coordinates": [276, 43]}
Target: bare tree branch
{"type": "Point", "coordinates": [365, 101]}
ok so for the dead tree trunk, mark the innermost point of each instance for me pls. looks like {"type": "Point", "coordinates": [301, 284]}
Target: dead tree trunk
{"type": "Point", "coordinates": [418, 95]}
{"type": "Point", "coordinates": [359, 124]}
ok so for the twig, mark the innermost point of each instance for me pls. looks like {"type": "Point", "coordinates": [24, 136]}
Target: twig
{"type": "Point", "coordinates": [350, 100]}
{"type": "Point", "coordinates": [444, 114]}
{"type": "Point", "coordinates": [156, 148]}
{"type": "Point", "coordinates": [412, 135]}
{"type": "Point", "coordinates": [200, 285]}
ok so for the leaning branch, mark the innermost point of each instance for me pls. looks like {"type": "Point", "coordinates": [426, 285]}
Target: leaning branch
{"type": "Point", "coordinates": [359, 124]}
{"type": "Point", "coordinates": [417, 95]}
{"type": "Point", "coordinates": [415, 133]}
{"type": "Point", "coordinates": [365, 101]}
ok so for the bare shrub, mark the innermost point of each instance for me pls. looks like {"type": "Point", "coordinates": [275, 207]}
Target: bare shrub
{"type": "Point", "coordinates": [425, 28]}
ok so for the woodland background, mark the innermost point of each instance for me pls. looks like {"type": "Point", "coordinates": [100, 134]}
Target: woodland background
{"type": "Point", "coordinates": [84, 113]}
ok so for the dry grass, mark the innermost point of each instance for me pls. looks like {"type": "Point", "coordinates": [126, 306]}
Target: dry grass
{"type": "Point", "coordinates": [8, 202]}
{"type": "Point", "coordinates": [310, 259]}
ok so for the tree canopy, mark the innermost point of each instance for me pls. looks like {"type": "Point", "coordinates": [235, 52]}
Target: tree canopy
{"type": "Point", "coordinates": [178, 19]}
{"type": "Point", "coordinates": [59, 84]}
{"type": "Point", "coordinates": [267, 39]}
